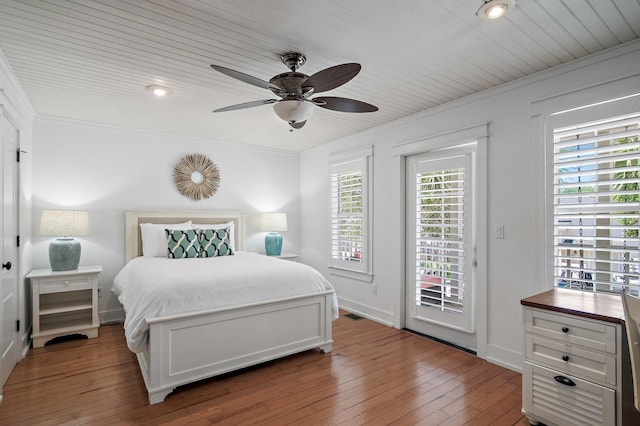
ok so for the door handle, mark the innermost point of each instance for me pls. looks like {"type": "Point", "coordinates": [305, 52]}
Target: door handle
{"type": "Point", "coordinates": [6, 266]}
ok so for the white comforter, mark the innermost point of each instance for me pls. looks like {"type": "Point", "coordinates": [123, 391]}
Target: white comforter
{"type": "Point", "coordinates": [152, 287]}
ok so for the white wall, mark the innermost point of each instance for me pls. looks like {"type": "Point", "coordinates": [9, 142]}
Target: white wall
{"type": "Point", "coordinates": [108, 170]}
{"type": "Point", "coordinates": [513, 177]}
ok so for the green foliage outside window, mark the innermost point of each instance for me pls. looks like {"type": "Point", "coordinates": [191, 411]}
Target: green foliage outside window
{"type": "Point", "coordinates": [628, 190]}
{"type": "Point", "coordinates": [435, 215]}
{"type": "Point", "coordinates": [434, 210]}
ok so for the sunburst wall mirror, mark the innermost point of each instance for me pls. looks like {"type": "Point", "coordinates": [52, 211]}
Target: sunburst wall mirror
{"type": "Point", "coordinates": [196, 177]}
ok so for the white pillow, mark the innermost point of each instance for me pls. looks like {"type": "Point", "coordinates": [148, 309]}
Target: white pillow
{"type": "Point", "coordinates": [230, 225]}
{"type": "Point", "coordinates": [154, 239]}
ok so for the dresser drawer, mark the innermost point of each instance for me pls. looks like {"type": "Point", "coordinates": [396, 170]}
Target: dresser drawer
{"type": "Point", "coordinates": [593, 335]}
{"type": "Point", "coordinates": [58, 284]}
{"type": "Point", "coordinates": [574, 402]}
{"type": "Point", "coordinates": [571, 360]}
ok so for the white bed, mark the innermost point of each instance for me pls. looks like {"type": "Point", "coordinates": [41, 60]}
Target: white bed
{"type": "Point", "coordinates": [180, 348]}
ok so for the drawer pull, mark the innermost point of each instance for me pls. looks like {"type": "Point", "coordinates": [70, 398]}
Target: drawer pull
{"type": "Point", "coordinates": [565, 329]}
{"type": "Point", "coordinates": [564, 381]}
{"type": "Point", "coordinates": [565, 358]}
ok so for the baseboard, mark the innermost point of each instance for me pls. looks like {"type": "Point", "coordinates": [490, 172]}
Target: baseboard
{"type": "Point", "coordinates": [365, 311]}
{"type": "Point", "coordinates": [506, 358]}
{"type": "Point", "coordinates": [25, 342]}
{"type": "Point", "coordinates": [115, 315]}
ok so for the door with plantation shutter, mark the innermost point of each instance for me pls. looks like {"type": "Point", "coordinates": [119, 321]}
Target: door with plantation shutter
{"type": "Point", "coordinates": [440, 273]}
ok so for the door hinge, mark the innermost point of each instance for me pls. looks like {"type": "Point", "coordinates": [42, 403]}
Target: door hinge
{"type": "Point", "coordinates": [18, 155]}
{"type": "Point", "coordinates": [17, 325]}
{"type": "Point", "coordinates": [17, 240]}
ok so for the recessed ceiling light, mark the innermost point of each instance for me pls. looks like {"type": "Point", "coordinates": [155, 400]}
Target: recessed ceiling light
{"type": "Point", "coordinates": [159, 91]}
{"type": "Point", "coordinates": [492, 9]}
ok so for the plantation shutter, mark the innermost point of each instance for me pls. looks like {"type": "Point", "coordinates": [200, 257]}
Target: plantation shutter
{"type": "Point", "coordinates": [440, 234]}
{"type": "Point", "coordinates": [596, 204]}
{"type": "Point", "coordinates": [349, 215]}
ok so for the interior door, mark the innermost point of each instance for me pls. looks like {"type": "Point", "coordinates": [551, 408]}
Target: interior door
{"type": "Point", "coordinates": [9, 335]}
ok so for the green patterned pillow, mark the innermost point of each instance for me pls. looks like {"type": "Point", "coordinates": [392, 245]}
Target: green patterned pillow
{"type": "Point", "coordinates": [214, 242]}
{"type": "Point", "coordinates": [182, 244]}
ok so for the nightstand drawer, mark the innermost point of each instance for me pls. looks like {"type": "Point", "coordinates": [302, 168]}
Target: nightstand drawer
{"type": "Point", "coordinates": [593, 335]}
{"type": "Point", "coordinates": [60, 284]}
{"type": "Point", "coordinates": [571, 359]}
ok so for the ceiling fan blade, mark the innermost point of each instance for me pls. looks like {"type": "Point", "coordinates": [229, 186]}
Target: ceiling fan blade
{"type": "Point", "coordinates": [298, 125]}
{"type": "Point", "coordinates": [247, 105]}
{"type": "Point", "coordinates": [343, 104]}
{"type": "Point", "coordinates": [332, 77]}
{"type": "Point", "coordinates": [245, 77]}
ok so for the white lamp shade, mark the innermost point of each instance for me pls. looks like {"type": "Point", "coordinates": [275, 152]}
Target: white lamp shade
{"type": "Point", "coordinates": [273, 222]}
{"type": "Point", "coordinates": [64, 223]}
{"type": "Point", "coordinates": [293, 111]}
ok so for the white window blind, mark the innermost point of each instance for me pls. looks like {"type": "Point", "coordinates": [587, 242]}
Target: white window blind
{"type": "Point", "coordinates": [349, 227]}
{"type": "Point", "coordinates": [440, 234]}
{"type": "Point", "coordinates": [596, 204]}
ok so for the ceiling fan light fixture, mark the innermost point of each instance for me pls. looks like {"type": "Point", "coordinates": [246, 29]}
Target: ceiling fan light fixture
{"type": "Point", "coordinates": [159, 91]}
{"type": "Point", "coordinates": [293, 111]}
{"type": "Point", "coordinates": [493, 9]}
{"type": "Point", "coordinates": [295, 88]}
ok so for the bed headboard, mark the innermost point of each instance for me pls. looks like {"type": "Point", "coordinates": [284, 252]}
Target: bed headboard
{"type": "Point", "coordinates": [133, 218]}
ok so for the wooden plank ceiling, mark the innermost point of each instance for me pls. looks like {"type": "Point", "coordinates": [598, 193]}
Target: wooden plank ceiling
{"type": "Point", "coordinates": [91, 60]}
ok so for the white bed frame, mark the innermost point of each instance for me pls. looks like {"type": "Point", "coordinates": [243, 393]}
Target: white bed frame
{"type": "Point", "coordinates": [186, 348]}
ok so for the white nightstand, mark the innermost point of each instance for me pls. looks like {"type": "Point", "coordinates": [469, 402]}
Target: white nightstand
{"type": "Point", "coordinates": [64, 303]}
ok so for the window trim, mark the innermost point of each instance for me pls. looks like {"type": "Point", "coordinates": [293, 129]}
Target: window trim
{"type": "Point", "coordinates": [479, 133]}
{"type": "Point", "coordinates": [365, 270]}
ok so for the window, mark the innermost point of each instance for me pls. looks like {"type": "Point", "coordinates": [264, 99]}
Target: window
{"type": "Point", "coordinates": [350, 213]}
{"type": "Point", "coordinates": [596, 204]}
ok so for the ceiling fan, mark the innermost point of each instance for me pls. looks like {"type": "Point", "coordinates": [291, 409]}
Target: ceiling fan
{"type": "Point", "coordinates": [295, 90]}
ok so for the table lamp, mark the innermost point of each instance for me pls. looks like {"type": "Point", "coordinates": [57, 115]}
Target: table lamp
{"type": "Point", "coordinates": [273, 223]}
{"type": "Point", "coordinates": [64, 251]}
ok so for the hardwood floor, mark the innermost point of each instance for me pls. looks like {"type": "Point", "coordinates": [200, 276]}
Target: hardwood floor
{"type": "Point", "coordinates": [375, 375]}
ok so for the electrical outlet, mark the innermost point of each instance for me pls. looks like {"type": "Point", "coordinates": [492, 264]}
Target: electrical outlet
{"type": "Point", "coordinates": [500, 232]}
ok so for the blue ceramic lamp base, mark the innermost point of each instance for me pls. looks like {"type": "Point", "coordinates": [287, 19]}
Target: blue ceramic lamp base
{"type": "Point", "coordinates": [273, 244]}
{"type": "Point", "coordinates": [64, 254]}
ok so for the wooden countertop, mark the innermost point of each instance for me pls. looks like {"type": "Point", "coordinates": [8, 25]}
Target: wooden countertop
{"type": "Point", "coordinates": [600, 306]}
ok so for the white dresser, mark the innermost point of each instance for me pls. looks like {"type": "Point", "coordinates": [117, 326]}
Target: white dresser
{"type": "Point", "coordinates": [576, 363]}
{"type": "Point", "coordinates": [64, 303]}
